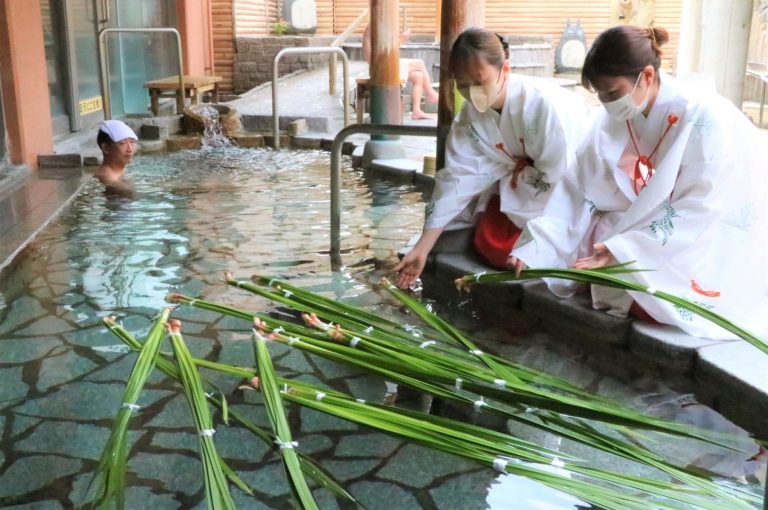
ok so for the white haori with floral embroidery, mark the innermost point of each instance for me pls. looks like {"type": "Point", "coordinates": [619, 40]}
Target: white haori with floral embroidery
{"type": "Point", "coordinates": [482, 149]}
{"type": "Point", "coordinates": [700, 225]}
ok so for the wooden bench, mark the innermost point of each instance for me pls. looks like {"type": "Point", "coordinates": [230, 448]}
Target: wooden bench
{"type": "Point", "coordinates": [363, 92]}
{"type": "Point", "coordinates": [194, 87]}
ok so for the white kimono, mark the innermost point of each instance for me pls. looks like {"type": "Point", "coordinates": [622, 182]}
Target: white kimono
{"type": "Point", "coordinates": [483, 148]}
{"type": "Point", "coordinates": [700, 225]}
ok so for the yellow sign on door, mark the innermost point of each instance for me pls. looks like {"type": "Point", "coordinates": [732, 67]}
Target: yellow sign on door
{"type": "Point", "coordinates": [90, 105]}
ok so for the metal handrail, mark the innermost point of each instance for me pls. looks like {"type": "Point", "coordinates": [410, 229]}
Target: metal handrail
{"type": "Point", "coordinates": [763, 77]}
{"type": "Point", "coordinates": [104, 61]}
{"type": "Point", "coordinates": [383, 129]}
{"type": "Point", "coordinates": [308, 49]}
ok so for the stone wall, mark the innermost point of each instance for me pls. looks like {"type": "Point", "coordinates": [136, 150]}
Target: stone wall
{"type": "Point", "coordinates": [254, 56]}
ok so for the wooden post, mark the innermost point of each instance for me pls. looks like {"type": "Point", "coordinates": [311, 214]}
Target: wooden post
{"type": "Point", "coordinates": [385, 62]}
{"type": "Point", "coordinates": [456, 16]}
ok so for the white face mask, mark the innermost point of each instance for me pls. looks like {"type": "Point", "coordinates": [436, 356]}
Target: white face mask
{"type": "Point", "coordinates": [624, 108]}
{"type": "Point", "coordinates": [482, 96]}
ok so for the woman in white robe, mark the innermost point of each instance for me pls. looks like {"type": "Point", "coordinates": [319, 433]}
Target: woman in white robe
{"type": "Point", "coordinates": [515, 138]}
{"type": "Point", "coordinates": [698, 222]}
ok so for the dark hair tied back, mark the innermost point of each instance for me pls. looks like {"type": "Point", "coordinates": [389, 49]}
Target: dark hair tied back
{"type": "Point", "coordinates": [623, 50]}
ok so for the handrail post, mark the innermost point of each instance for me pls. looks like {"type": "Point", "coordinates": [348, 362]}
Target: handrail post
{"type": "Point", "coordinates": [308, 49]}
{"type": "Point", "coordinates": [385, 129]}
{"type": "Point", "coordinates": [104, 62]}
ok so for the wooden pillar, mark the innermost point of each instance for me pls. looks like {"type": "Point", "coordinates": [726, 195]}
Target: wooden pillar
{"type": "Point", "coordinates": [456, 16]}
{"type": "Point", "coordinates": [385, 62]}
{"type": "Point", "coordinates": [24, 82]}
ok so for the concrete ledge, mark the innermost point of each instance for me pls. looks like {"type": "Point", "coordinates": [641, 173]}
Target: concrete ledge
{"type": "Point", "coordinates": [575, 316]}
{"type": "Point", "coordinates": [306, 141]}
{"type": "Point", "coordinates": [733, 379]}
{"type": "Point", "coordinates": [264, 122]}
{"type": "Point", "coordinates": [667, 349]}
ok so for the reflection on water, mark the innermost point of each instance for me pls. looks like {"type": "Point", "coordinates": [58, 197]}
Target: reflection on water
{"type": "Point", "coordinates": [195, 215]}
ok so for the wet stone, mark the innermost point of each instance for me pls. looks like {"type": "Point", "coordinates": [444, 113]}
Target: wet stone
{"type": "Point", "coordinates": [66, 438]}
{"type": "Point", "coordinates": [419, 467]}
{"type": "Point", "coordinates": [27, 349]}
{"type": "Point", "coordinates": [22, 310]}
{"type": "Point", "coordinates": [11, 385]}
{"type": "Point", "coordinates": [469, 489]}
{"type": "Point", "coordinates": [367, 445]}
{"type": "Point", "coordinates": [330, 369]}
{"type": "Point", "coordinates": [81, 314]}
{"type": "Point", "coordinates": [61, 369]}
{"type": "Point", "coordinates": [42, 293]}
{"type": "Point", "coordinates": [84, 401]}
{"type": "Point", "coordinates": [369, 388]}
{"type": "Point", "coordinates": [37, 505]}
{"type": "Point", "coordinates": [383, 495]}
{"type": "Point", "coordinates": [48, 325]}
{"type": "Point", "coordinates": [350, 469]}
{"type": "Point", "coordinates": [70, 298]}
{"type": "Point", "coordinates": [315, 421]}
{"type": "Point", "coordinates": [175, 414]}
{"type": "Point", "coordinates": [31, 473]}
{"type": "Point", "coordinates": [311, 445]}
{"type": "Point", "coordinates": [118, 370]}
{"type": "Point", "coordinates": [198, 346]}
{"type": "Point", "coordinates": [23, 423]}
{"type": "Point", "coordinates": [177, 473]}
{"type": "Point", "coordinates": [62, 278]}
{"type": "Point", "coordinates": [178, 441]}
{"type": "Point", "coordinates": [239, 443]}
{"type": "Point", "coordinates": [269, 480]}
{"type": "Point", "coordinates": [295, 361]}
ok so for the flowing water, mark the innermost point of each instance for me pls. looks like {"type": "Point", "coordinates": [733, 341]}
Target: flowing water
{"type": "Point", "coordinates": [195, 215]}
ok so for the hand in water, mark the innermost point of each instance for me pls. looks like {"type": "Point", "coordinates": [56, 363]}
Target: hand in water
{"type": "Point", "coordinates": [410, 268]}
{"type": "Point", "coordinates": [601, 258]}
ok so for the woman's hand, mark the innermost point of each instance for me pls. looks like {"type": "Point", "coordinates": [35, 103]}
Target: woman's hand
{"type": "Point", "coordinates": [410, 267]}
{"type": "Point", "coordinates": [601, 258]}
{"type": "Point", "coordinates": [515, 264]}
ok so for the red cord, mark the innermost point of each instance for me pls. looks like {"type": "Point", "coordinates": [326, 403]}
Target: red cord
{"type": "Point", "coordinates": [646, 160]}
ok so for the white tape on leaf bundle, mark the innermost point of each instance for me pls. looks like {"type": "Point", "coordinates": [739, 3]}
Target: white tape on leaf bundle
{"type": "Point", "coordinates": [426, 344]}
{"type": "Point", "coordinates": [500, 465]}
{"type": "Point", "coordinates": [319, 396]}
{"type": "Point", "coordinates": [457, 385]}
{"type": "Point", "coordinates": [354, 341]}
{"type": "Point", "coordinates": [286, 444]}
{"type": "Point", "coordinates": [207, 432]}
{"type": "Point", "coordinates": [131, 406]}
{"type": "Point", "coordinates": [499, 382]}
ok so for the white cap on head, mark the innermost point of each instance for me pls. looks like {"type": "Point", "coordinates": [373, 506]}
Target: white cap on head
{"type": "Point", "coordinates": [117, 130]}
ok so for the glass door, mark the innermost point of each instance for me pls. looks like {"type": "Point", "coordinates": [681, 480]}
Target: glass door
{"type": "Point", "coordinates": [82, 21]}
{"type": "Point", "coordinates": [58, 88]}
{"type": "Point", "coordinates": [134, 58]}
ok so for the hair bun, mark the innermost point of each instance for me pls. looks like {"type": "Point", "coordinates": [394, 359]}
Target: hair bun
{"type": "Point", "coordinates": [659, 36]}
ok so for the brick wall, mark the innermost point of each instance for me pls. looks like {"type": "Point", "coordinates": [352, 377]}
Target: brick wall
{"type": "Point", "coordinates": [254, 56]}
